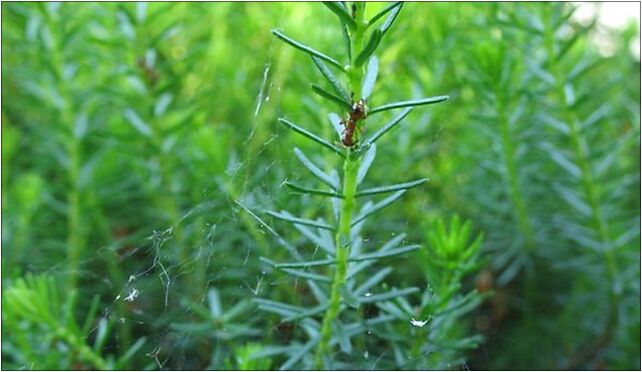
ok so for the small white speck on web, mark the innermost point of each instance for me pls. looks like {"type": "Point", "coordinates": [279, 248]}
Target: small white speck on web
{"type": "Point", "coordinates": [418, 323]}
{"type": "Point", "coordinates": [131, 278]}
{"type": "Point", "coordinates": [133, 294]}
{"type": "Point", "coordinates": [367, 294]}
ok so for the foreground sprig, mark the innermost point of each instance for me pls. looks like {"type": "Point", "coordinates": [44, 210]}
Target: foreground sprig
{"type": "Point", "coordinates": [343, 252]}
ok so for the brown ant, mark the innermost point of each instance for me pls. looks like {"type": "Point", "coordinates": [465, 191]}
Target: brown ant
{"type": "Point", "coordinates": [357, 113]}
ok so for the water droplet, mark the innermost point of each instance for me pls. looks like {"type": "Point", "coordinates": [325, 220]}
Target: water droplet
{"type": "Point", "coordinates": [368, 294]}
{"type": "Point", "coordinates": [418, 323]}
{"type": "Point", "coordinates": [366, 354]}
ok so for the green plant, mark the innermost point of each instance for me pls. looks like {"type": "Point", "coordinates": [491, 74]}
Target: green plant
{"type": "Point", "coordinates": [343, 252]}
{"type": "Point", "coordinates": [440, 334]}
{"type": "Point", "coordinates": [167, 113]}
{"type": "Point", "coordinates": [47, 333]}
{"type": "Point", "coordinates": [588, 221]}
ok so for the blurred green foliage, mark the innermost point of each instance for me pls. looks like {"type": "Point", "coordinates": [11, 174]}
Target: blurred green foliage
{"type": "Point", "coordinates": [133, 132]}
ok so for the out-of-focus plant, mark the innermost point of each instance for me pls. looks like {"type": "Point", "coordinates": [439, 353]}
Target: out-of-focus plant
{"type": "Point", "coordinates": [44, 328]}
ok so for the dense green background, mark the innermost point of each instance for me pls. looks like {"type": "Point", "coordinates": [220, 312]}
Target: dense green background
{"type": "Point", "coordinates": [130, 131]}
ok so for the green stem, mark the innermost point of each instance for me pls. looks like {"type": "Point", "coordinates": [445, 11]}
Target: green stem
{"type": "Point", "coordinates": [508, 147]}
{"type": "Point", "coordinates": [75, 239]}
{"type": "Point", "coordinates": [350, 170]}
{"type": "Point", "coordinates": [83, 352]}
{"type": "Point", "coordinates": [348, 203]}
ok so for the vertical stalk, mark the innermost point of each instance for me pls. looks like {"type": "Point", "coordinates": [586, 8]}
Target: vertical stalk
{"type": "Point", "coordinates": [350, 169]}
{"type": "Point", "coordinates": [75, 239]}
{"type": "Point", "coordinates": [508, 147]}
{"type": "Point", "coordinates": [348, 203]}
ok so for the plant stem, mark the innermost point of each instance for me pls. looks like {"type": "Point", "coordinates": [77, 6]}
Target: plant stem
{"type": "Point", "coordinates": [83, 352]}
{"type": "Point", "coordinates": [508, 147]}
{"type": "Point", "coordinates": [75, 238]}
{"type": "Point", "coordinates": [350, 170]}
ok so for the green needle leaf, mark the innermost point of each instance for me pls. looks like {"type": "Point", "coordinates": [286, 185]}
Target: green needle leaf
{"type": "Point", "coordinates": [139, 124]}
{"type": "Point", "coordinates": [297, 273]}
{"type": "Point", "coordinates": [335, 120]}
{"type": "Point", "coordinates": [299, 354]}
{"type": "Point", "coordinates": [306, 275]}
{"type": "Point", "coordinates": [387, 295]}
{"type": "Point", "coordinates": [305, 264]}
{"type": "Point", "coordinates": [311, 136]}
{"type": "Point", "coordinates": [346, 38]}
{"type": "Point", "coordinates": [391, 18]}
{"type": "Point", "coordinates": [307, 49]}
{"type": "Point", "coordinates": [325, 244]}
{"type": "Point", "coordinates": [332, 79]}
{"type": "Point", "coordinates": [391, 188]}
{"type": "Point", "coordinates": [369, 49]}
{"type": "Point", "coordinates": [377, 207]}
{"type": "Point", "coordinates": [300, 221]}
{"type": "Point", "coordinates": [121, 363]}
{"type": "Point", "coordinates": [418, 102]}
{"type": "Point", "coordinates": [371, 77]}
{"type": "Point", "coordinates": [383, 12]}
{"type": "Point", "coordinates": [331, 97]}
{"type": "Point", "coordinates": [341, 12]}
{"type": "Point", "coordinates": [275, 306]}
{"type": "Point", "coordinates": [389, 253]}
{"type": "Point", "coordinates": [383, 130]}
{"type": "Point", "coordinates": [372, 281]}
{"type": "Point", "coordinates": [308, 313]}
{"type": "Point", "coordinates": [366, 163]}
{"type": "Point", "coordinates": [315, 170]}
{"type": "Point", "coordinates": [305, 190]}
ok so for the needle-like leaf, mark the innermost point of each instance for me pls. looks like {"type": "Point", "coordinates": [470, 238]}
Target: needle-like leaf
{"type": "Point", "coordinates": [383, 12]}
{"type": "Point", "coordinates": [335, 120]}
{"type": "Point", "coordinates": [377, 207]}
{"type": "Point", "coordinates": [341, 12]}
{"type": "Point", "coordinates": [305, 190]}
{"type": "Point", "coordinates": [391, 18]}
{"type": "Point", "coordinates": [371, 77]}
{"type": "Point", "coordinates": [387, 295]}
{"type": "Point", "coordinates": [413, 103]}
{"type": "Point", "coordinates": [332, 79]}
{"type": "Point", "coordinates": [386, 254]}
{"type": "Point", "coordinates": [391, 188]}
{"type": "Point", "coordinates": [343, 104]}
{"type": "Point", "coordinates": [307, 49]}
{"type": "Point", "coordinates": [315, 170]}
{"type": "Point", "coordinates": [383, 130]}
{"type": "Point", "coordinates": [310, 135]}
{"type": "Point", "coordinates": [369, 49]}
{"type": "Point", "coordinates": [300, 221]}
{"type": "Point", "coordinates": [366, 163]}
